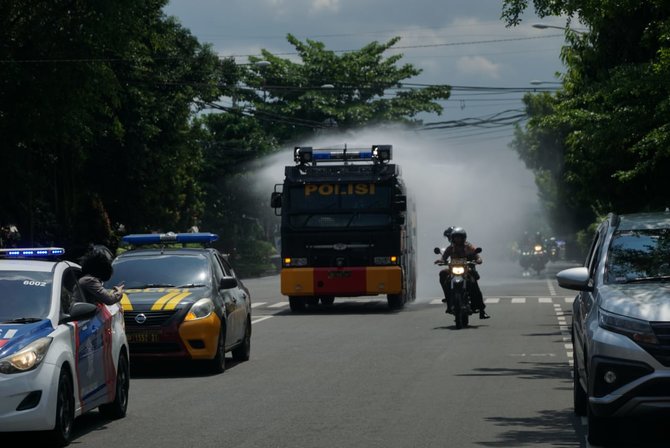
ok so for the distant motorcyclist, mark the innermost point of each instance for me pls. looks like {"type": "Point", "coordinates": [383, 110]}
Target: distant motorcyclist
{"type": "Point", "coordinates": [461, 248]}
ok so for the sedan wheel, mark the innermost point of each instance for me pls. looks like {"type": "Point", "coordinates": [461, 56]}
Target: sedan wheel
{"type": "Point", "coordinates": [117, 408]}
{"type": "Point", "coordinates": [64, 410]}
{"type": "Point", "coordinates": [243, 351]}
{"type": "Point", "coordinates": [218, 364]}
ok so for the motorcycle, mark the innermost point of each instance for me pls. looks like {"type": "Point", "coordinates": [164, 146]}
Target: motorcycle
{"type": "Point", "coordinates": [535, 257]}
{"type": "Point", "coordinates": [460, 270]}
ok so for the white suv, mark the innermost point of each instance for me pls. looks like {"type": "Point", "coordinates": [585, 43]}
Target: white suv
{"type": "Point", "coordinates": [621, 321]}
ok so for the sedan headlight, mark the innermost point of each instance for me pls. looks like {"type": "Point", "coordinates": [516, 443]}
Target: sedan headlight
{"type": "Point", "coordinates": [200, 309]}
{"type": "Point", "coordinates": [27, 358]}
{"type": "Point", "coordinates": [636, 329]}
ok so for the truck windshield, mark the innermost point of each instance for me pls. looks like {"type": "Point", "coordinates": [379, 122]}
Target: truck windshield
{"type": "Point", "coordinates": [346, 197]}
{"type": "Point", "coordinates": [340, 220]}
{"type": "Point", "coordinates": [639, 255]}
{"type": "Point", "coordinates": [339, 205]}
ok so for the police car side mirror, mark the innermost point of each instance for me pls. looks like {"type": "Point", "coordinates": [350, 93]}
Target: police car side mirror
{"type": "Point", "coordinates": [80, 311]}
{"type": "Point", "coordinates": [228, 283]}
{"type": "Point", "coordinates": [275, 200]}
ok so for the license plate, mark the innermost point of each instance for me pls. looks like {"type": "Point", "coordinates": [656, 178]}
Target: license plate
{"type": "Point", "coordinates": [339, 274]}
{"type": "Point", "coordinates": [143, 337]}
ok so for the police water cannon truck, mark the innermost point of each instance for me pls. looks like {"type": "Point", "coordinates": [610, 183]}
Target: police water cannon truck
{"type": "Point", "coordinates": [348, 228]}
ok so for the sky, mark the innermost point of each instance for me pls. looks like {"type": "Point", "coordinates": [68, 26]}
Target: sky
{"type": "Point", "coordinates": [465, 176]}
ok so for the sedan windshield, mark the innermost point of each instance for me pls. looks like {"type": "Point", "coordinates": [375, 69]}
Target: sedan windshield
{"type": "Point", "coordinates": [161, 271]}
{"type": "Point", "coordinates": [639, 255]}
{"type": "Point", "coordinates": [24, 296]}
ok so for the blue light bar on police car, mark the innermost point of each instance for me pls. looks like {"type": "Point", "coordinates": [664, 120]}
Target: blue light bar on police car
{"type": "Point", "coordinates": [32, 252]}
{"type": "Point", "coordinates": [139, 239]}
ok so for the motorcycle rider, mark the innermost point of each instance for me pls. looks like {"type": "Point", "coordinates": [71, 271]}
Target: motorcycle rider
{"type": "Point", "coordinates": [461, 248]}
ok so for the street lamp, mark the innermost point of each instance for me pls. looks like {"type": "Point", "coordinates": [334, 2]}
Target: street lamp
{"type": "Point", "coordinates": [543, 26]}
{"type": "Point", "coordinates": [537, 82]}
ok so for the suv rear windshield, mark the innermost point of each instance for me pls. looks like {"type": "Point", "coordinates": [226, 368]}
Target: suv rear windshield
{"type": "Point", "coordinates": [639, 255]}
{"type": "Point", "coordinates": [161, 271]}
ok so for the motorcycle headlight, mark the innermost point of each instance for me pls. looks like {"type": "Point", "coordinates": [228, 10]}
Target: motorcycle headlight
{"type": "Point", "coordinates": [636, 329]}
{"type": "Point", "coordinates": [200, 309]}
{"type": "Point", "coordinates": [538, 248]}
{"type": "Point", "coordinates": [458, 270]}
{"type": "Point", "coordinates": [27, 358]}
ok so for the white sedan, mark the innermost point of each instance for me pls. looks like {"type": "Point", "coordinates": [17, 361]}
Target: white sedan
{"type": "Point", "coordinates": [59, 356]}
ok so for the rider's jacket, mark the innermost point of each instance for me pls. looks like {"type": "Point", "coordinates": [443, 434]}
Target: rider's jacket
{"type": "Point", "coordinates": [468, 250]}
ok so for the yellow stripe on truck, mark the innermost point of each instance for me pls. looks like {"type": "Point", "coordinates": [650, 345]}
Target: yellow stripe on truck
{"type": "Point", "coordinates": [297, 282]}
{"type": "Point", "coordinates": [383, 280]}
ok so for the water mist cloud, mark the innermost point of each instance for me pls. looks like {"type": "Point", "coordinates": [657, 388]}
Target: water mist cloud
{"type": "Point", "coordinates": [483, 187]}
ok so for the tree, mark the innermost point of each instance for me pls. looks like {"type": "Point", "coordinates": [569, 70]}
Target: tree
{"type": "Point", "coordinates": [95, 108]}
{"type": "Point", "coordinates": [291, 99]}
{"type": "Point", "coordinates": [603, 142]}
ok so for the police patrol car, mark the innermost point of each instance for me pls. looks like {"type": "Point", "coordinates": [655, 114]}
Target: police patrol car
{"type": "Point", "coordinates": [182, 302]}
{"type": "Point", "coordinates": [59, 356]}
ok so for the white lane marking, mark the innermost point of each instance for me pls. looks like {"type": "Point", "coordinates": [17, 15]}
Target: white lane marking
{"type": "Point", "coordinates": [256, 304]}
{"type": "Point", "coordinates": [545, 300]}
{"type": "Point", "coordinates": [569, 299]}
{"type": "Point", "coordinates": [278, 305]}
{"type": "Point", "coordinates": [492, 300]}
{"type": "Point", "coordinates": [436, 302]}
{"type": "Point", "coordinates": [260, 319]}
{"type": "Point", "coordinates": [519, 300]}
{"type": "Point", "coordinates": [550, 285]}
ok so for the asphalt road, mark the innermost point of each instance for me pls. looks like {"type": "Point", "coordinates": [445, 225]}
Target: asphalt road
{"type": "Point", "coordinates": [358, 375]}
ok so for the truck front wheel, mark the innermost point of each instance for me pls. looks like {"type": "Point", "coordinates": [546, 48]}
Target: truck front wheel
{"type": "Point", "coordinates": [296, 304]}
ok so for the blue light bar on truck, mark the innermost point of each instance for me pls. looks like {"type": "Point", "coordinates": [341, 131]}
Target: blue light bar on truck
{"type": "Point", "coordinates": [32, 252]}
{"type": "Point", "coordinates": [307, 154]}
{"type": "Point", "coordinates": [139, 239]}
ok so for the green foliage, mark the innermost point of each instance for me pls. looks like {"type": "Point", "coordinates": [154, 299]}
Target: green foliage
{"type": "Point", "coordinates": [291, 98]}
{"type": "Point", "coordinates": [95, 103]}
{"type": "Point", "coordinates": [603, 143]}
{"type": "Point", "coordinates": [253, 257]}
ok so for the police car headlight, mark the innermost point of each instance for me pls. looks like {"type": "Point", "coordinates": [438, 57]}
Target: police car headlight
{"type": "Point", "coordinates": [200, 309]}
{"type": "Point", "coordinates": [458, 270]}
{"type": "Point", "coordinates": [27, 358]}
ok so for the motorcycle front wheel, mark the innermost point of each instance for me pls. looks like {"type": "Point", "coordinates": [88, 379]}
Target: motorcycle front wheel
{"type": "Point", "coordinates": [460, 313]}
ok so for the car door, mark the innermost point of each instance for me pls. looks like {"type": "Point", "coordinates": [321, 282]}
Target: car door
{"type": "Point", "coordinates": [228, 300]}
{"type": "Point", "coordinates": [587, 299]}
{"type": "Point", "coordinates": [91, 365]}
{"type": "Point", "coordinates": [240, 299]}
{"type": "Point", "coordinates": [243, 299]}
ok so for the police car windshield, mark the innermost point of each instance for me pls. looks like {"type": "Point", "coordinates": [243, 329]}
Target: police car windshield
{"type": "Point", "coordinates": [639, 255]}
{"type": "Point", "coordinates": [160, 270]}
{"type": "Point", "coordinates": [24, 296]}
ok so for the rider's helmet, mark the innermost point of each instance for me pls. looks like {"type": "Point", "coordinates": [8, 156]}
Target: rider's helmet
{"type": "Point", "coordinates": [447, 233]}
{"type": "Point", "coordinates": [458, 236]}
